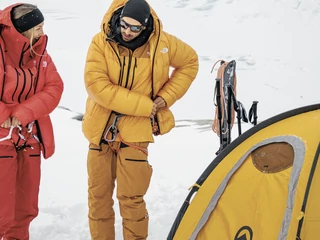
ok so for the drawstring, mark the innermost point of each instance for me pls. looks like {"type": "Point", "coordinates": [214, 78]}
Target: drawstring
{"type": "Point", "coordinates": [24, 138]}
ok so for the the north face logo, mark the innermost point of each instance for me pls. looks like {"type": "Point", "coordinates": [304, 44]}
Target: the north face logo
{"type": "Point", "coordinates": [164, 50]}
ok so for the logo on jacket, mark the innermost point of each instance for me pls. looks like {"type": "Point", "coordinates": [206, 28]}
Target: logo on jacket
{"type": "Point", "coordinates": [244, 233]}
{"type": "Point", "coordinates": [44, 64]}
{"type": "Point", "coordinates": [164, 50]}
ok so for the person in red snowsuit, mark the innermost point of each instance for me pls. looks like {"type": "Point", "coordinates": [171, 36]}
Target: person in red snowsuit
{"type": "Point", "coordinates": [30, 89]}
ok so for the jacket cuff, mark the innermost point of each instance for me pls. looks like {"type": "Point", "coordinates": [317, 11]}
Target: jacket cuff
{"type": "Point", "coordinates": [5, 114]}
{"type": "Point", "coordinates": [22, 114]}
{"type": "Point", "coordinates": [167, 98]}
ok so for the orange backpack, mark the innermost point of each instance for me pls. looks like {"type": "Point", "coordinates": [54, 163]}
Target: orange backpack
{"type": "Point", "coordinates": [227, 75]}
{"type": "Point", "coordinates": [227, 104]}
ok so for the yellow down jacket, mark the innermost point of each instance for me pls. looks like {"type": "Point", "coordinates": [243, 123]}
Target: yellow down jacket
{"type": "Point", "coordinates": [119, 80]}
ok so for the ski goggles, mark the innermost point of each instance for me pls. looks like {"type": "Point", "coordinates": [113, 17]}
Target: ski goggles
{"type": "Point", "coordinates": [133, 28]}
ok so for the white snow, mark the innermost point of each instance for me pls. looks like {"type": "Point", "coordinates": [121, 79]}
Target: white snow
{"type": "Point", "coordinates": [276, 46]}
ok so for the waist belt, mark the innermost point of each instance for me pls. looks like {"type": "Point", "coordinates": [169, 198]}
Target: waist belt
{"type": "Point", "coordinates": [122, 144]}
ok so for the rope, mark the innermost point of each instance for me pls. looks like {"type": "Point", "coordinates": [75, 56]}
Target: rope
{"type": "Point", "coordinates": [115, 133]}
{"type": "Point", "coordinates": [24, 138]}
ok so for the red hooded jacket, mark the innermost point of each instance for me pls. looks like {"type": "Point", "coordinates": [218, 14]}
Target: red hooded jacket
{"type": "Point", "coordinates": [30, 86]}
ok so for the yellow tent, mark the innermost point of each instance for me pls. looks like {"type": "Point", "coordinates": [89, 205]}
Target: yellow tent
{"type": "Point", "coordinates": [264, 186]}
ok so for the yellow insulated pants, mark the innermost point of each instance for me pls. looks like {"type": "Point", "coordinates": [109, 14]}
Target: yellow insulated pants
{"type": "Point", "coordinates": [130, 168]}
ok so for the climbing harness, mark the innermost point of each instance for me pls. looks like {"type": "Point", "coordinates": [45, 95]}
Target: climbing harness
{"type": "Point", "coordinates": [113, 130]}
{"type": "Point", "coordinates": [24, 138]}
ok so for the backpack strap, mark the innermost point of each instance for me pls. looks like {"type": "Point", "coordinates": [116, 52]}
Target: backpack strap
{"type": "Point", "coordinates": [253, 116]}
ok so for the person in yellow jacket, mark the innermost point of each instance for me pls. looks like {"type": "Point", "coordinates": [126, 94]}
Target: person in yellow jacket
{"type": "Point", "coordinates": [130, 90]}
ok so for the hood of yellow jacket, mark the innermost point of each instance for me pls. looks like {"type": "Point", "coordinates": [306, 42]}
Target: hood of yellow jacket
{"type": "Point", "coordinates": [117, 4]}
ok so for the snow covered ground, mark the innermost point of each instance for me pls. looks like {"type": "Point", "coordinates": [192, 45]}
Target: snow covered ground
{"type": "Point", "coordinates": [275, 44]}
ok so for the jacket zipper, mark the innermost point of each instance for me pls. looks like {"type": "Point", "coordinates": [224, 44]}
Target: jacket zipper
{"type": "Point", "coordinates": [40, 136]}
{"type": "Point", "coordinates": [153, 61]}
{"type": "Point", "coordinates": [16, 85]}
{"type": "Point", "coordinates": [38, 68]}
{"type": "Point", "coordinates": [24, 74]}
{"type": "Point", "coordinates": [24, 85]}
{"type": "Point", "coordinates": [122, 72]}
{"type": "Point", "coordinates": [4, 73]}
{"type": "Point", "coordinates": [31, 77]}
{"type": "Point", "coordinates": [35, 89]}
{"type": "Point", "coordinates": [133, 73]}
{"type": "Point", "coordinates": [129, 66]}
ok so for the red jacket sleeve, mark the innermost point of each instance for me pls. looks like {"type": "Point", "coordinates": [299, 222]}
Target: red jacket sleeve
{"type": "Point", "coordinates": [43, 102]}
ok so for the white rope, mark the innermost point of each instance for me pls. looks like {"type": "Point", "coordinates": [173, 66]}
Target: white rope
{"type": "Point", "coordinates": [30, 127]}
{"type": "Point", "coordinates": [8, 137]}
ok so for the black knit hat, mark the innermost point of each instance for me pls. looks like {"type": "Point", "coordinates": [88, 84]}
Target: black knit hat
{"type": "Point", "coordinates": [28, 21]}
{"type": "Point", "coordinates": [138, 10]}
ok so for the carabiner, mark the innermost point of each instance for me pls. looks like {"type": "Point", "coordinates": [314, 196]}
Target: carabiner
{"type": "Point", "coordinates": [113, 129]}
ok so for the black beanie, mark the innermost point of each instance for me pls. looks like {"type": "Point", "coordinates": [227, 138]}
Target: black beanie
{"type": "Point", "coordinates": [28, 21]}
{"type": "Point", "coordinates": [138, 10]}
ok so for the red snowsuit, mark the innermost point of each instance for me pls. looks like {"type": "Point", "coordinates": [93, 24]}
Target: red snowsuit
{"type": "Point", "coordinates": [30, 89]}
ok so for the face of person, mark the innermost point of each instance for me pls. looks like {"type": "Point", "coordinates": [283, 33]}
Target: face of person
{"type": "Point", "coordinates": [130, 28]}
{"type": "Point", "coordinates": [34, 33]}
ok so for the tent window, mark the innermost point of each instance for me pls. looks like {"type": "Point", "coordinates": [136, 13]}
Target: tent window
{"type": "Point", "coordinates": [273, 157]}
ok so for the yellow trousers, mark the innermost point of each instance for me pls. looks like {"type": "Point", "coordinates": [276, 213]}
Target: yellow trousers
{"type": "Point", "coordinates": [130, 168]}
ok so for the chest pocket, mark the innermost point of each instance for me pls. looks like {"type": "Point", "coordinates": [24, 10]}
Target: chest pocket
{"type": "Point", "coordinates": [19, 84]}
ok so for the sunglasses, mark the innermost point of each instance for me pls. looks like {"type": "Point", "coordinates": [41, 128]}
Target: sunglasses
{"type": "Point", "coordinates": [133, 28]}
